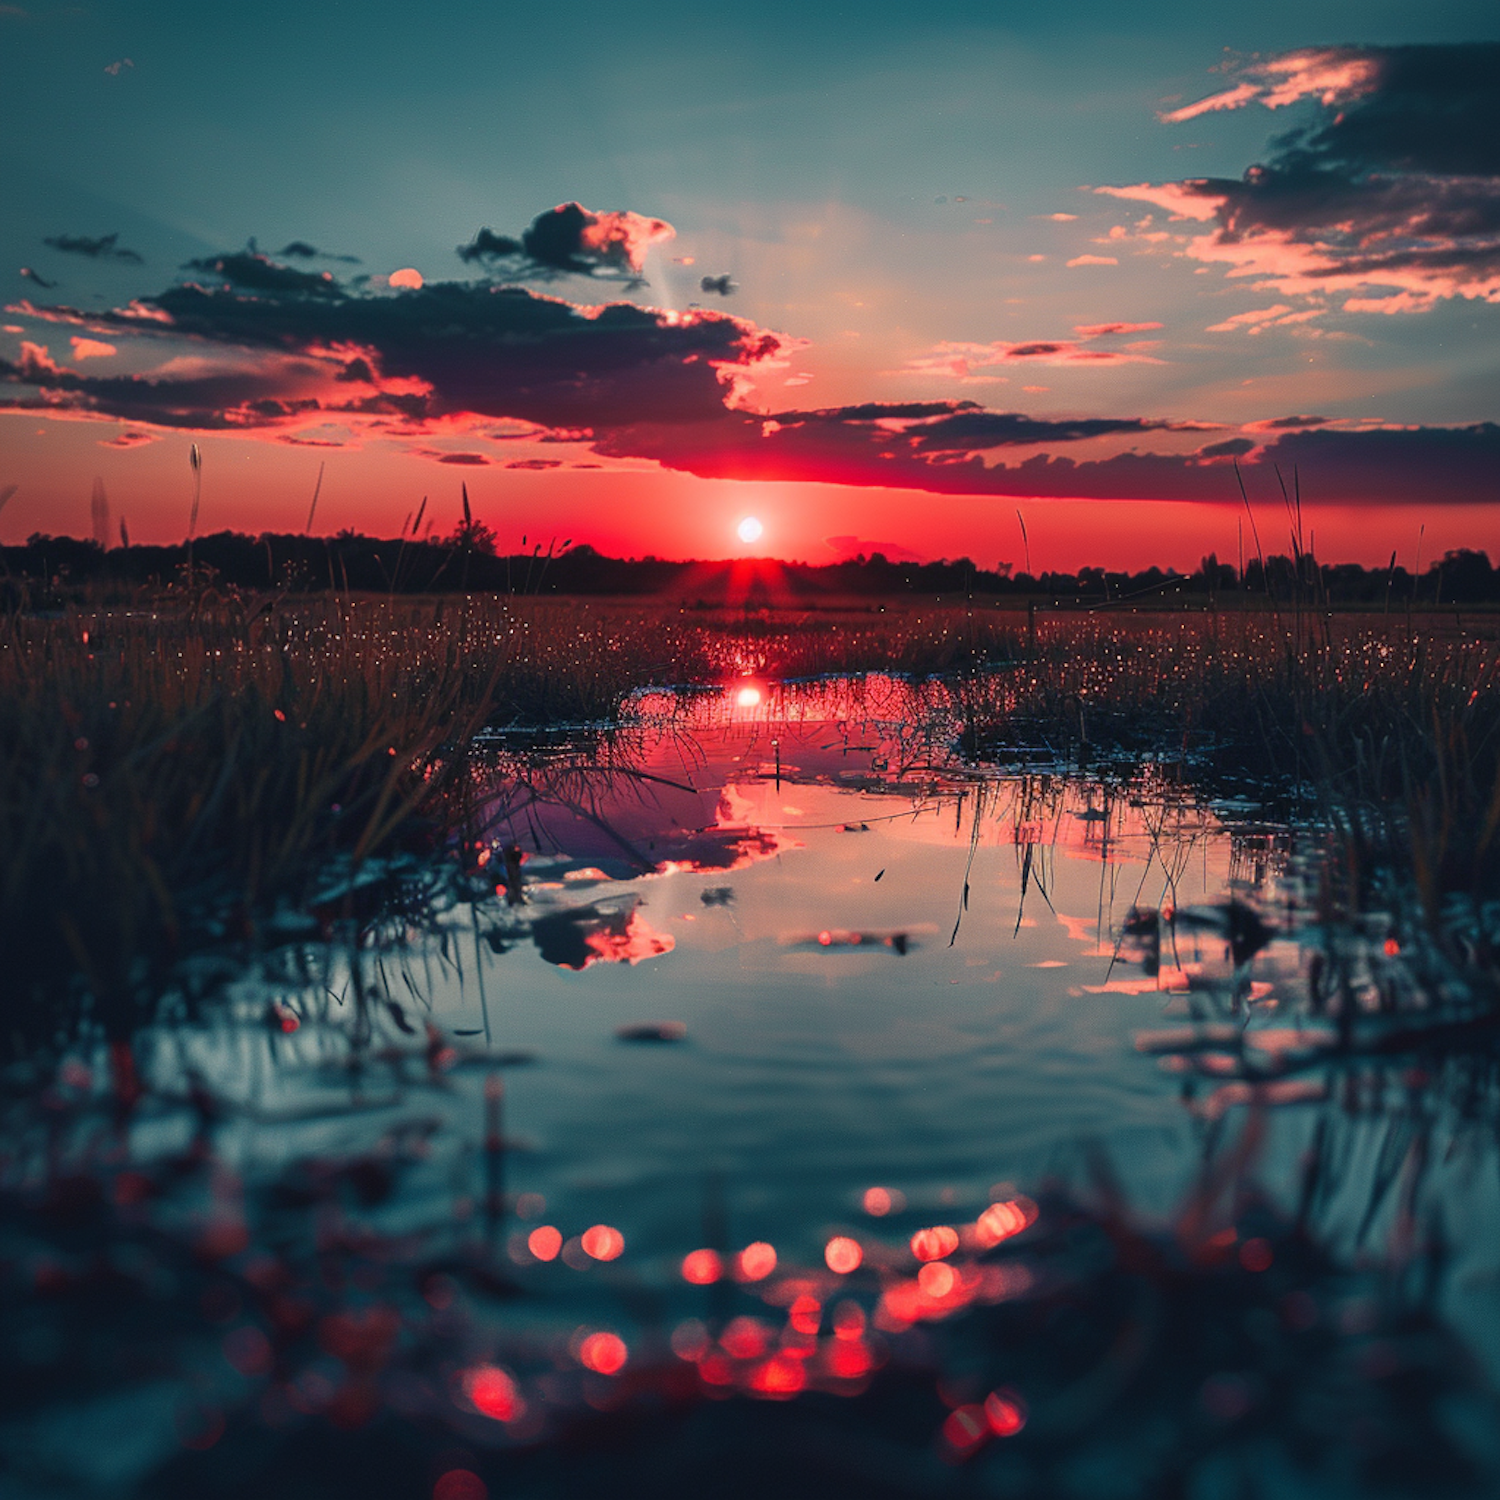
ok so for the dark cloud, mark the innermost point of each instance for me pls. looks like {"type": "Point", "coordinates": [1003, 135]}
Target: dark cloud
{"type": "Point", "coordinates": [28, 274]}
{"type": "Point", "coordinates": [254, 272]}
{"type": "Point", "coordinates": [725, 285]}
{"type": "Point", "coordinates": [103, 248]}
{"type": "Point", "coordinates": [968, 431]}
{"type": "Point", "coordinates": [463, 458]}
{"type": "Point", "coordinates": [435, 351]}
{"type": "Point", "coordinates": [301, 250]}
{"type": "Point", "coordinates": [277, 349]}
{"type": "Point", "coordinates": [489, 246]}
{"type": "Point", "coordinates": [1397, 464]}
{"type": "Point", "coordinates": [877, 411]}
{"type": "Point", "coordinates": [1286, 424]}
{"type": "Point", "coordinates": [245, 399]}
{"type": "Point", "coordinates": [1394, 186]}
{"type": "Point", "coordinates": [1433, 110]}
{"type": "Point", "coordinates": [571, 239]}
{"type": "Point", "coordinates": [1105, 330]}
{"type": "Point", "coordinates": [1352, 468]}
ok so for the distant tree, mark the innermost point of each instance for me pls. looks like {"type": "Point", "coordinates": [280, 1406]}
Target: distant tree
{"type": "Point", "coordinates": [1464, 575]}
{"type": "Point", "coordinates": [474, 536]}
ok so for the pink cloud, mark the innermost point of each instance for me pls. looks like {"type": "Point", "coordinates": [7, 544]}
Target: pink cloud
{"type": "Point", "coordinates": [1390, 197]}
{"type": "Point", "coordinates": [627, 234]}
{"type": "Point", "coordinates": [1235, 98]}
{"type": "Point", "coordinates": [1092, 260]}
{"type": "Point", "coordinates": [91, 348]}
{"type": "Point", "coordinates": [1331, 75]}
{"type": "Point", "coordinates": [1251, 319]}
{"type": "Point", "coordinates": [1190, 199]}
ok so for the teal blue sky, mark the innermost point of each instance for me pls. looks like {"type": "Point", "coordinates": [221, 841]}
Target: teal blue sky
{"type": "Point", "coordinates": [884, 186]}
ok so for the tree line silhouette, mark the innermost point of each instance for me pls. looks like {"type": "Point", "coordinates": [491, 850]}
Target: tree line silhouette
{"type": "Point", "coordinates": [470, 559]}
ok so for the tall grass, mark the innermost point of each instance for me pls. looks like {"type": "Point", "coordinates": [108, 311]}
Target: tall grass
{"type": "Point", "coordinates": [181, 775]}
{"type": "Point", "coordinates": [174, 779]}
{"type": "Point", "coordinates": [1387, 736]}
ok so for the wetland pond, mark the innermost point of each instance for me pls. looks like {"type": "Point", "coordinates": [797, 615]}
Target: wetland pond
{"type": "Point", "coordinates": [779, 1103]}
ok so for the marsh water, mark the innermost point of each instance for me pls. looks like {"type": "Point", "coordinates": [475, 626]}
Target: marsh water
{"type": "Point", "coordinates": [756, 976]}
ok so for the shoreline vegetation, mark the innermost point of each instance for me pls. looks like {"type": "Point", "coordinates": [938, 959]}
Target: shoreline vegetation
{"type": "Point", "coordinates": [209, 770]}
{"type": "Point", "coordinates": [47, 571]}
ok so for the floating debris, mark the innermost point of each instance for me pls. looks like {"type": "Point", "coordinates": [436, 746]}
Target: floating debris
{"type": "Point", "coordinates": [653, 1031]}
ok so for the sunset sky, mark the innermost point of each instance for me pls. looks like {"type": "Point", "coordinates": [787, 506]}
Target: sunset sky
{"type": "Point", "coordinates": [879, 276]}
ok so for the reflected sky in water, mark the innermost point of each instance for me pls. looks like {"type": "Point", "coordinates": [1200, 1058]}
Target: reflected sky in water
{"type": "Point", "coordinates": [882, 967]}
{"type": "Point", "coordinates": [747, 1058]}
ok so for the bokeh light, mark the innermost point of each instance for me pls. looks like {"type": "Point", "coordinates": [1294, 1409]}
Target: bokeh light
{"type": "Point", "coordinates": [843, 1255]}
{"type": "Point", "coordinates": [1001, 1220]}
{"type": "Point", "coordinates": [934, 1243]}
{"type": "Point", "coordinates": [756, 1262]}
{"type": "Point", "coordinates": [460, 1484]}
{"type": "Point", "coordinates": [603, 1242]}
{"type": "Point", "coordinates": [966, 1428]}
{"type": "Point", "coordinates": [745, 1338]}
{"type": "Point", "coordinates": [604, 1353]}
{"type": "Point", "coordinates": [781, 1376]}
{"type": "Point", "coordinates": [1005, 1412]}
{"type": "Point", "coordinates": [805, 1314]}
{"type": "Point", "coordinates": [702, 1267]}
{"type": "Point", "coordinates": [493, 1393]}
{"type": "Point", "coordinates": [544, 1242]}
{"type": "Point", "coordinates": [936, 1278]}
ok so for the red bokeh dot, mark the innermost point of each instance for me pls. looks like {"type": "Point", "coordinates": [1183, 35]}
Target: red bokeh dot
{"type": "Point", "coordinates": [966, 1428]}
{"type": "Point", "coordinates": [756, 1261]}
{"type": "Point", "coordinates": [935, 1243]}
{"type": "Point", "coordinates": [781, 1375]}
{"type": "Point", "coordinates": [493, 1392]}
{"type": "Point", "coordinates": [1256, 1255]}
{"type": "Point", "coordinates": [1005, 1413]}
{"type": "Point", "coordinates": [805, 1314]}
{"type": "Point", "coordinates": [545, 1242]}
{"type": "Point", "coordinates": [937, 1279]}
{"type": "Point", "coordinates": [603, 1242]}
{"type": "Point", "coordinates": [460, 1484]}
{"type": "Point", "coordinates": [702, 1267]}
{"type": "Point", "coordinates": [604, 1353]}
{"type": "Point", "coordinates": [850, 1359]}
{"type": "Point", "coordinates": [843, 1254]}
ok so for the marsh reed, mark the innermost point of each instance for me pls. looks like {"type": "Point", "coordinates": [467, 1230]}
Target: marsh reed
{"type": "Point", "coordinates": [179, 774]}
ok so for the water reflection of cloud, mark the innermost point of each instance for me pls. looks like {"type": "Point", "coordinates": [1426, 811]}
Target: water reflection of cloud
{"type": "Point", "coordinates": [581, 936]}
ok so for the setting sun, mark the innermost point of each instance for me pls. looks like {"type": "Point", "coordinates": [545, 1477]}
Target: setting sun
{"type": "Point", "coordinates": [750, 529]}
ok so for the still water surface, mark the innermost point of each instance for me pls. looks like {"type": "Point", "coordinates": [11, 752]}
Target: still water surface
{"type": "Point", "coordinates": [775, 968]}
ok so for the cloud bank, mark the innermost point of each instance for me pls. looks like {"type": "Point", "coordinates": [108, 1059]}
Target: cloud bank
{"type": "Point", "coordinates": [256, 346]}
{"type": "Point", "coordinates": [1388, 200]}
